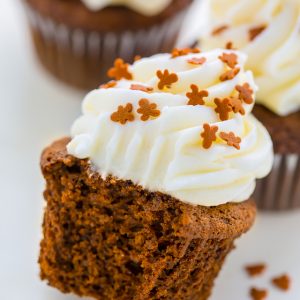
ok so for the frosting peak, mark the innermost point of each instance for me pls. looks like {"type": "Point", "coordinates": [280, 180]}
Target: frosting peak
{"type": "Point", "coordinates": [269, 32]}
{"type": "Point", "coordinates": [181, 126]}
{"type": "Point", "coordinates": [152, 7]}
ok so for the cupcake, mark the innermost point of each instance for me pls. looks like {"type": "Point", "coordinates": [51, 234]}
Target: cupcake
{"type": "Point", "coordinates": [269, 33]}
{"type": "Point", "coordinates": [77, 40]}
{"type": "Point", "coordinates": [147, 196]}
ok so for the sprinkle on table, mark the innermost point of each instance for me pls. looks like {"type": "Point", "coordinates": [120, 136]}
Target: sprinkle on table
{"type": "Point", "coordinates": [108, 85]}
{"type": "Point", "coordinates": [228, 75]}
{"type": "Point", "coordinates": [120, 70]}
{"type": "Point", "coordinates": [123, 114]}
{"type": "Point", "coordinates": [256, 31]}
{"type": "Point", "coordinates": [182, 52]}
{"type": "Point", "coordinates": [223, 108]}
{"type": "Point", "coordinates": [231, 59]}
{"type": "Point", "coordinates": [143, 88]}
{"type": "Point", "coordinates": [196, 96]}
{"type": "Point", "coordinates": [220, 29]}
{"type": "Point", "coordinates": [209, 135]}
{"type": "Point", "coordinates": [166, 79]}
{"type": "Point", "coordinates": [256, 269]}
{"type": "Point", "coordinates": [258, 294]}
{"type": "Point", "coordinates": [245, 93]}
{"type": "Point", "coordinates": [229, 46]}
{"type": "Point", "coordinates": [231, 139]}
{"type": "Point", "coordinates": [147, 109]}
{"type": "Point", "coordinates": [137, 57]}
{"type": "Point", "coordinates": [282, 282]}
{"type": "Point", "coordinates": [237, 105]}
{"type": "Point", "coordinates": [197, 60]}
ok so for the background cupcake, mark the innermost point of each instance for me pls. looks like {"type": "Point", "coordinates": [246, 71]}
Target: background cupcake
{"type": "Point", "coordinates": [269, 32]}
{"type": "Point", "coordinates": [78, 40]}
{"type": "Point", "coordinates": [146, 199]}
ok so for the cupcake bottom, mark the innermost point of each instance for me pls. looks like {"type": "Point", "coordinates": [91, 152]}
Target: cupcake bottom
{"type": "Point", "coordinates": [111, 239]}
{"type": "Point", "coordinates": [281, 189]}
{"type": "Point", "coordinates": [81, 58]}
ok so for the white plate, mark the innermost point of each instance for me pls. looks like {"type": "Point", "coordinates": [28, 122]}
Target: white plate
{"type": "Point", "coordinates": [35, 109]}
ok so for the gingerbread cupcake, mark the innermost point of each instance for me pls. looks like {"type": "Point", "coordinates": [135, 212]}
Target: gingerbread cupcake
{"type": "Point", "coordinates": [269, 33]}
{"type": "Point", "coordinates": [77, 40]}
{"type": "Point", "coordinates": [147, 197]}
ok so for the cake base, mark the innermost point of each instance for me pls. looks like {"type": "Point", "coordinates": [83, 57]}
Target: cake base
{"type": "Point", "coordinates": [111, 239]}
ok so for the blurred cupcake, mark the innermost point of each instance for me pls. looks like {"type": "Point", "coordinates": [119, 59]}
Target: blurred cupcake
{"type": "Point", "coordinates": [77, 40]}
{"type": "Point", "coordinates": [269, 32]}
{"type": "Point", "coordinates": [146, 199]}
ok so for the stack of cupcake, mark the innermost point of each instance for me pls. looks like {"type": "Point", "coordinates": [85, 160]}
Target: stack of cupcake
{"type": "Point", "coordinates": [147, 196]}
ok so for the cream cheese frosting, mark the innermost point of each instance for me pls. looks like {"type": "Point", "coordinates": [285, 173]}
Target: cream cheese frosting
{"type": "Point", "coordinates": [150, 8]}
{"type": "Point", "coordinates": [269, 32]}
{"type": "Point", "coordinates": [150, 128]}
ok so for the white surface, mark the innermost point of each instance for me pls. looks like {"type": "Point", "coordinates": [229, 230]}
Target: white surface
{"type": "Point", "coordinates": [35, 109]}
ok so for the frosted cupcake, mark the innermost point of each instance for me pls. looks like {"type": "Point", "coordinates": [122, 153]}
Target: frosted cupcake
{"type": "Point", "coordinates": [269, 33]}
{"type": "Point", "coordinates": [78, 40]}
{"type": "Point", "coordinates": [147, 197]}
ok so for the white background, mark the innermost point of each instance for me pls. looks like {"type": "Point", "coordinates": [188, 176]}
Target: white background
{"type": "Point", "coordinates": [34, 110]}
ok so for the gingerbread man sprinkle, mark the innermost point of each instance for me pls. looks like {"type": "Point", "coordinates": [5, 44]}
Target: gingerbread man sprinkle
{"type": "Point", "coordinates": [139, 87]}
{"type": "Point", "coordinates": [237, 105]}
{"type": "Point", "coordinates": [228, 75]}
{"type": "Point", "coordinates": [282, 282]}
{"type": "Point", "coordinates": [166, 79]}
{"type": "Point", "coordinates": [229, 46]}
{"type": "Point", "coordinates": [108, 85]}
{"type": "Point", "coordinates": [197, 60]}
{"type": "Point", "coordinates": [209, 135]}
{"type": "Point", "coordinates": [196, 96]}
{"type": "Point", "coordinates": [223, 108]}
{"type": "Point", "coordinates": [123, 114]}
{"type": "Point", "coordinates": [120, 70]}
{"type": "Point", "coordinates": [231, 139]}
{"type": "Point", "coordinates": [257, 294]}
{"type": "Point", "coordinates": [230, 59]}
{"type": "Point", "coordinates": [220, 29]}
{"type": "Point", "coordinates": [245, 93]}
{"type": "Point", "coordinates": [147, 109]}
{"type": "Point", "coordinates": [181, 52]}
{"type": "Point", "coordinates": [256, 31]}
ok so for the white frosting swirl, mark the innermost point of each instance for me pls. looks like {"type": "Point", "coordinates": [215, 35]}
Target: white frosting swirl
{"type": "Point", "coordinates": [148, 8]}
{"type": "Point", "coordinates": [273, 54]}
{"type": "Point", "coordinates": [165, 153]}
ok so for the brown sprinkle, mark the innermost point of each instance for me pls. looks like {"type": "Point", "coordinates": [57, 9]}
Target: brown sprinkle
{"type": "Point", "coordinates": [120, 70]}
{"type": "Point", "coordinates": [230, 59]}
{"type": "Point", "coordinates": [139, 87]}
{"type": "Point", "coordinates": [229, 46]}
{"type": "Point", "coordinates": [185, 51]}
{"type": "Point", "coordinates": [108, 85]}
{"type": "Point", "coordinates": [220, 29]}
{"type": "Point", "coordinates": [257, 294]}
{"type": "Point", "coordinates": [282, 282]}
{"type": "Point", "coordinates": [255, 31]}
{"type": "Point", "coordinates": [196, 96]}
{"type": "Point", "coordinates": [228, 75]}
{"type": "Point", "coordinates": [166, 79]}
{"type": "Point", "coordinates": [223, 108]}
{"type": "Point", "coordinates": [137, 57]}
{"type": "Point", "coordinates": [147, 109]}
{"type": "Point", "coordinates": [209, 135]}
{"type": "Point", "coordinates": [255, 270]}
{"type": "Point", "coordinates": [231, 139]}
{"type": "Point", "coordinates": [245, 93]}
{"type": "Point", "coordinates": [123, 114]}
{"type": "Point", "coordinates": [197, 60]}
{"type": "Point", "coordinates": [237, 105]}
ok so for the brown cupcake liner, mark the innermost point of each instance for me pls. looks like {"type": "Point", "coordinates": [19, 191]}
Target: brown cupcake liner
{"type": "Point", "coordinates": [81, 58]}
{"type": "Point", "coordinates": [281, 189]}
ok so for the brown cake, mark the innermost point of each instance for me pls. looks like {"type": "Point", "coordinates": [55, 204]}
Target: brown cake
{"type": "Point", "coordinates": [111, 239]}
{"type": "Point", "coordinates": [78, 45]}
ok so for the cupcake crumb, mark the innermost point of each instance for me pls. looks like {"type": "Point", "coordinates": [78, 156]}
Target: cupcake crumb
{"type": "Point", "coordinates": [255, 269]}
{"type": "Point", "coordinates": [258, 294]}
{"type": "Point", "coordinates": [282, 282]}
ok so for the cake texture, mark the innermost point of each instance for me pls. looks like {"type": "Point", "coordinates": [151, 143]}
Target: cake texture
{"type": "Point", "coordinates": [77, 44]}
{"type": "Point", "coordinates": [268, 32]}
{"type": "Point", "coordinates": [111, 239]}
{"type": "Point", "coordinates": [147, 196]}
